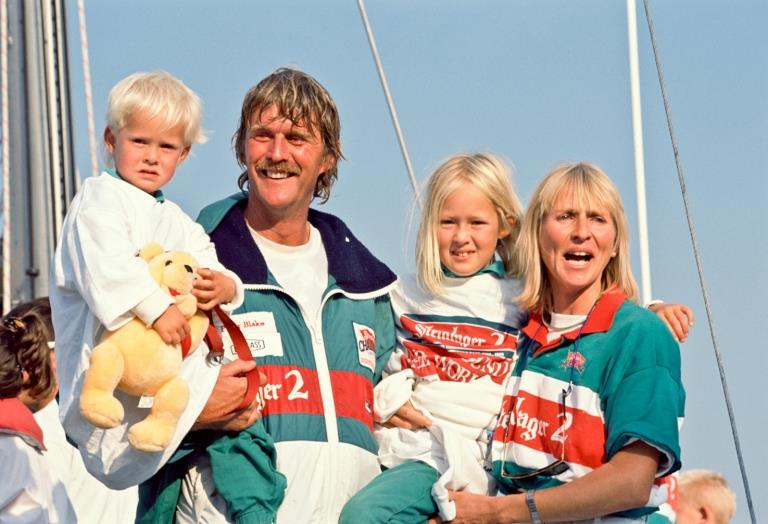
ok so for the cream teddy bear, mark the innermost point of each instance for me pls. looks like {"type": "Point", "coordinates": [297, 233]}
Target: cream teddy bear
{"type": "Point", "coordinates": [134, 359]}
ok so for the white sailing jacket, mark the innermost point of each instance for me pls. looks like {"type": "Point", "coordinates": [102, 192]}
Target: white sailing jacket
{"type": "Point", "coordinates": [97, 282]}
{"type": "Point", "coordinates": [455, 353]}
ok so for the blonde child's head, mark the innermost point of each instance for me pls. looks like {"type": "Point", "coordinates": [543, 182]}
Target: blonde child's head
{"type": "Point", "coordinates": [161, 97]}
{"type": "Point", "coordinates": [27, 366]}
{"type": "Point", "coordinates": [704, 496]}
{"type": "Point", "coordinates": [152, 121]}
{"type": "Point", "coordinates": [471, 213]}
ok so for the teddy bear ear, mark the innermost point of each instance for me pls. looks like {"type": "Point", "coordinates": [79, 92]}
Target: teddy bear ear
{"type": "Point", "coordinates": [150, 251]}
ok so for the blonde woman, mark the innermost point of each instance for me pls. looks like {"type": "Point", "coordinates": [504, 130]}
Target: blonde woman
{"type": "Point", "coordinates": [590, 416]}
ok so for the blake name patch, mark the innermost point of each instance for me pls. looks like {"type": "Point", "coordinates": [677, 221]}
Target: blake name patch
{"type": "Point", "coordinates": [260, 332]}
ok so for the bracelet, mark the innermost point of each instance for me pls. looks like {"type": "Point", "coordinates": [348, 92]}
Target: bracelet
{"type": "Point", "coordinates": [532, 507]}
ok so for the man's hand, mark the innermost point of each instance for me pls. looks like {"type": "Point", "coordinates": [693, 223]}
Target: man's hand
{"type": "Point", "coordinates": [213, 288]}
{"type": "Point", "coordinates": [677, 317]}
{"type": "Point", "coordinates": [172, 326]}
{"type": "Point", "coordinates": [408, 417]}
{"type": "Point", "coordinates": [220, 412]}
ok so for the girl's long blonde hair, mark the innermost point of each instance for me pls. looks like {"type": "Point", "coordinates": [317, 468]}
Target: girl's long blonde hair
{"type": "Point", "coordinates": [492, 176]}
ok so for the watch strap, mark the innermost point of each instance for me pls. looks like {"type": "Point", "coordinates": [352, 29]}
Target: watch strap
{"type": "Point", "coordinates": [535, 518]}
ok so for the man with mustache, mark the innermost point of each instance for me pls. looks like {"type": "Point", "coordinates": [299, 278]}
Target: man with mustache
{"type": "Point", "coordinates": [316, 312]}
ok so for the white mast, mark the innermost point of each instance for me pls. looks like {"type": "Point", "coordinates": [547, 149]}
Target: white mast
{"type": "Point", "coordinates": [637, 135]}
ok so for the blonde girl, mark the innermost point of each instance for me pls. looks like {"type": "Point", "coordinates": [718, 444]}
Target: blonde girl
{"type": "Point", "coordinates": [457, 329]}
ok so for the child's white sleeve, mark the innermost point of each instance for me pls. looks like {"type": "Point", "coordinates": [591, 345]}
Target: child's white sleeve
{"type": "Point", "coordinates": [204, 251]}
{"type": "Point", "coordinates": [150, 309]}
{"type": "Point", "coordinates": [99, 261]}
{"type": "Point", "coordinates": [391, 394]}
{"type": "Point", "coordinates": [239, 297]}
{"type": "Point", "coordinates": [198, 243]}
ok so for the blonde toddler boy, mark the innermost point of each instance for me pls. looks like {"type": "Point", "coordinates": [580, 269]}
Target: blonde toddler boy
{"type": "Point", "coordinates": [98, 283]}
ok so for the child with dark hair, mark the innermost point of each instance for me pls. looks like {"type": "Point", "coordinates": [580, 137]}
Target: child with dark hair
{"type": "Point", "coordinates": [92, 501]}
{"type": "Point", "coordinates": [29, 492]}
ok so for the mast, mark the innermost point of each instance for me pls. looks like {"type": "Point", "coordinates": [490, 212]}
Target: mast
{"type": "Point", "coordinates": [42, 177]}
{"type": "Point", "coordinates": [637, 139]}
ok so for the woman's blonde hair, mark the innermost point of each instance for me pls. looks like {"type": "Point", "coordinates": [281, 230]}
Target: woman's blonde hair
{"type": "Point", "coordinates": [492, 176]}
{"type": "Point", "coordinates": [589, 188]}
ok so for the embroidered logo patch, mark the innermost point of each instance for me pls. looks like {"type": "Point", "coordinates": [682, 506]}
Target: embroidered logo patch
{"type": "Point", "coordinates": [366, 345]}
{"type": "Point", "coordinates": [574, 360]}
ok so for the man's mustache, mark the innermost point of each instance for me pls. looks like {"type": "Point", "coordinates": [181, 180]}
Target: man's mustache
{"type": "Point", "coordinates": [283, 165]}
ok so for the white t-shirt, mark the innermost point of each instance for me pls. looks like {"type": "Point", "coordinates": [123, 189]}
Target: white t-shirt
{"type": "Point", "coordinates": [288, 264]}
{"type": "Point", "coordinates": [560, 324]}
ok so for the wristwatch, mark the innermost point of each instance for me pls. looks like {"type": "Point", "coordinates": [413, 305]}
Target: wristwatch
{"type": "Point", "coordinates": [532, 507]}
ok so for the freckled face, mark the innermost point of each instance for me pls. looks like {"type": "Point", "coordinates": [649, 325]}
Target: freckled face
{"type": "Point", "coordinates": [576, 246]}
{"type": "Point", "coordinates": [468, 230]}
{"type": "Point", "coordinates": [146, 152]}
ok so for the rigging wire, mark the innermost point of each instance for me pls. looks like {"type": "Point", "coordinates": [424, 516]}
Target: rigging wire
{"type": "Point", "coordinates": [87, 87]}
{"type": "Point", "coordinates": [6, 156]}
{"type": "Point", "coordinates": [390, 103]}
{"type": "Point", "coordinates": [699, 268]}
{"type": "Point", "coordinates": [50, 30]}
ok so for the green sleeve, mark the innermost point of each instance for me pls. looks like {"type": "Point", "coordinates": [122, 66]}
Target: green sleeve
{"type": "Point", "coordinates": [647, 399]}
{"type": "Point", "coordinates": [385, 335]}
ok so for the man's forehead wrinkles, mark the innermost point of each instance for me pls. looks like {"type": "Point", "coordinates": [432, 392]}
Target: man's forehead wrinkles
{"type": "Point", "coordinates": [267, 127]}
{"type": "Point", "coordinates": [257, 122]}
{"type": "Point", "coordinates": [297, 118]}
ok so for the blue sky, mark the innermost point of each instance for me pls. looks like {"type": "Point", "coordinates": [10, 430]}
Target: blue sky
{"type": "Point", "coordinates": [538, 82]}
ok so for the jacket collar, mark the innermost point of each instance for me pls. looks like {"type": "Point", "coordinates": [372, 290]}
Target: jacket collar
{"type": "Point", "coordinates": [598, 321]}
{"type": "Point", "coordinates": [353, 267]}
{"type": "Point", "coordinates": [157, 195]}
{"type": "Point", "coordinates": [16, 419]}
{"type": "Point", "coordinates": [495, 268]}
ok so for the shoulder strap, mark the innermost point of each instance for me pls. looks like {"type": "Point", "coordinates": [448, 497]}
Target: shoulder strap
{"type": "Point", "coordinates": [213, 339]}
